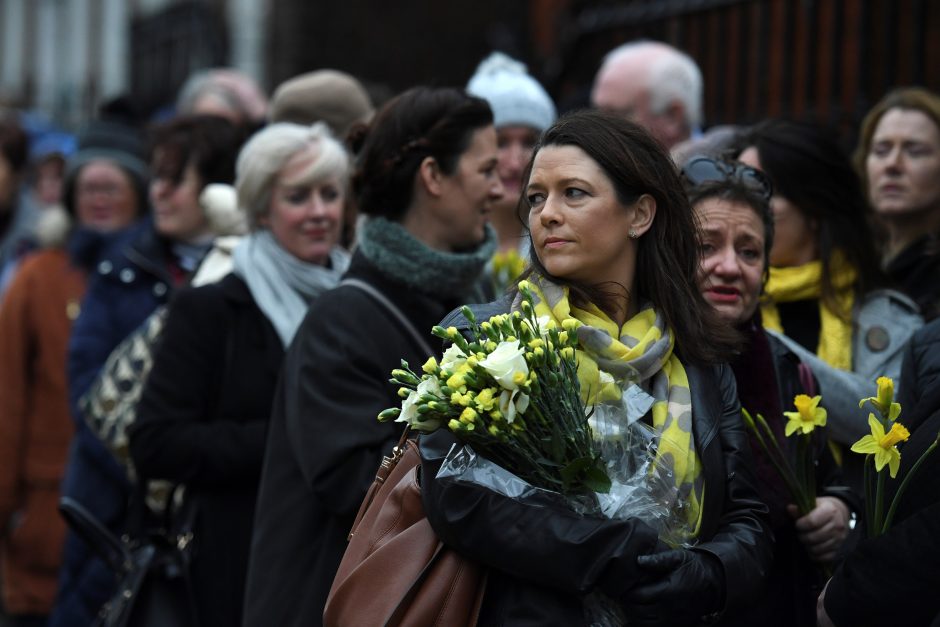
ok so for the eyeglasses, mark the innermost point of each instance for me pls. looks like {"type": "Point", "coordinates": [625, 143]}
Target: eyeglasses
{"type": "Point", "coordinates": [699, 170]}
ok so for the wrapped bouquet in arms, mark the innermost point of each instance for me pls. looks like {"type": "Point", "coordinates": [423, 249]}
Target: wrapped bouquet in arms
{"type": "Point", "coordinates": [534, 414]}
{"type": "Point", "coordinates": [611, 402]}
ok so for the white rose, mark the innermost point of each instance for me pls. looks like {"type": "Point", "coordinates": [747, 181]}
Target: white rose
{"type": "Point", "coordinates": [452, 358]}
{"type": "Point", "coordinates": [409, 409]}
{"type": "Point", "coordinates": [429, 385]}
{"type": "Point", "coordinates": [504, 362]}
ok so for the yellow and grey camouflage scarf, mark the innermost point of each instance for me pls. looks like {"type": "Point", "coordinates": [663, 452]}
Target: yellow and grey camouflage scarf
{"type": "Point", "coordinates": [639, 352]}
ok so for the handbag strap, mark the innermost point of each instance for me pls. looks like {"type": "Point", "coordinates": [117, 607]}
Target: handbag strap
{"type": "Point", "coordinates": [114, 552]}
{"type": "Point", "coordinates": [392, 309]}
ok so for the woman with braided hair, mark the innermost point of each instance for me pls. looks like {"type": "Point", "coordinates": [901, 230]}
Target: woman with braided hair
{"type": "Point", "coordinates": [426, 179]}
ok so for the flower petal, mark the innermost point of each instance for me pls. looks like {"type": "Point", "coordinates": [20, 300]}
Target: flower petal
{"type": "Point", "coordinates": [867, 445]}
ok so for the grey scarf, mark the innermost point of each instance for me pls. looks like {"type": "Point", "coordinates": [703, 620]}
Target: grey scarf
{"type": "Point", "coordinates": [406, 259]}
{"type": "Point", "coordinates": [282, 285]}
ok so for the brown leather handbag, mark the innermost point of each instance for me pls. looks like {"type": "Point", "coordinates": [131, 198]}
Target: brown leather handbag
{"type": "Point", "coordinates": [395, 571]}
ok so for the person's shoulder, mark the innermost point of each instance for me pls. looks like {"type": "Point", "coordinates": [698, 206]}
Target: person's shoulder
{"type": "Point", "coordinates": [111, 258]}
{"type": "Point", "coordinates": [888, 302]}
{"type": "Point", "coordinates": [229, 291]}
{"type": "Point", "coordinates": [926, 339]}
{"type": "Point", "coordinates": [41, 262]}
{"type": "Point", "coordinates": [481, 311]}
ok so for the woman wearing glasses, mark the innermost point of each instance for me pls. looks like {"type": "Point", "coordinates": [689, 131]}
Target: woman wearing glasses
{"type": "Point", "coordinates": [825, 293]}
{"type": "Point", "coordinates": [732, 205]}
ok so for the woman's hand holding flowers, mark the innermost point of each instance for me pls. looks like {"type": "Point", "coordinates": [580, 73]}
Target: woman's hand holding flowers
{"type": "Point", "coordinates": [824, 529]}
{"type": "Point", "coordinates": [682, 587]}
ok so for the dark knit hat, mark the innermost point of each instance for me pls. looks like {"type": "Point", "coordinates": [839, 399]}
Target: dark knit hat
{"type": "Point", "coordinates": [111, 141]}
{"type": "Point", "coordinates": [330, 96]}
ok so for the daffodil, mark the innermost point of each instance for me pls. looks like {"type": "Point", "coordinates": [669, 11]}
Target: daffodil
{"type": "Point", "coordinates": [884, 400]}
{"type": "Point", "coordinates": [883, 445]}
{"type": "Point", "coordinates": [808, 415]}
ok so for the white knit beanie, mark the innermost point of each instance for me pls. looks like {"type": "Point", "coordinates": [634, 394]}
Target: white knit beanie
{"type": "Point", "coordinates": [515, 97]}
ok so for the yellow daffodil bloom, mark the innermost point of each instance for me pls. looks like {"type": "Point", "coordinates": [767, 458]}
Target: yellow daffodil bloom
{"type": "Point", "coordinates": [884, 400]}
{"type": "Point", "coordinates": [883, 445]}
{"type": "Point", "coordinates": [808, 415]}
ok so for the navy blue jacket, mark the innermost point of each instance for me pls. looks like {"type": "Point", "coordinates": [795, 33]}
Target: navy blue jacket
{"type": "Point", "coordinates": [131, 279]}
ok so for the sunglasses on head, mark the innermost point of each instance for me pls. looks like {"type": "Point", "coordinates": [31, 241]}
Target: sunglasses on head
{"type": "Point", "coordinates": [700, 170]}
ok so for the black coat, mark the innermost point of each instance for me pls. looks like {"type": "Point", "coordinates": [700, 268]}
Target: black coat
{"type": "Point", "coordinates": [543, 558]}
{"type": "Point", "coordinates": [325, 442]}
{"type": "Point", "coordinates": [916, 272]}
{"type": "Point", "coordinates": [904, 563]}
{"type": "Point", "coordinates": [202, 421]}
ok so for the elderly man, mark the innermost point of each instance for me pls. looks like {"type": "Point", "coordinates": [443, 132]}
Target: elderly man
{"type": "Point", "coordinates": [654, 85]}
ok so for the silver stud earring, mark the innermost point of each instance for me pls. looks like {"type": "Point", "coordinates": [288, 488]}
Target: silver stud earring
{"type": "Point", "coordinates": [633, 234]}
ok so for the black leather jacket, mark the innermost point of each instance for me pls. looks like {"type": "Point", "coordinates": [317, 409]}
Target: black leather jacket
{"type": "Point", "coordinates": [543, 558]}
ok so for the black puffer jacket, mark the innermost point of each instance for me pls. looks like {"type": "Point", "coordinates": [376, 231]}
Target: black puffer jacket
{"type": "Point", "coordinates": [544, 558]}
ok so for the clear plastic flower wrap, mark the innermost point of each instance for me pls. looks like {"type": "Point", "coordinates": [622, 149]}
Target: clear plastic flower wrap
{"type": "Point", "coordinates": [640, 488]}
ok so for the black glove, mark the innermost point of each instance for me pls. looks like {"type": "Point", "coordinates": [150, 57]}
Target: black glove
{"type": "Point", "coordinates": [680, 587]}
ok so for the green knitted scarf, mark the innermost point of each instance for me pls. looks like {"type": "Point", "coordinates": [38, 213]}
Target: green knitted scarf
{"type": "Point", "coordinates": [406, 259]}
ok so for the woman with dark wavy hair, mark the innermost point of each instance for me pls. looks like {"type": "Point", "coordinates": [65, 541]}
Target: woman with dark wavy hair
{"type": "Point", "coordinates": [826, 295]}
{"type": "Point", "coordinates": [614, 247]}
{"type": "Point", "coordinates": [426, 179]}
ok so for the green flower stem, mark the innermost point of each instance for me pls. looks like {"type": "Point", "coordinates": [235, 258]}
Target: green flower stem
{"type": "Point", "coordinates": [780, 463]}
{"type": "Point", "coordinates": [869, 495]}
{"type": "Point", "coordinates": [889, 518]}
{"type": "Point", "coordinates": [805, 475]}
{"type": "Point", "coordinates": [879, 504]}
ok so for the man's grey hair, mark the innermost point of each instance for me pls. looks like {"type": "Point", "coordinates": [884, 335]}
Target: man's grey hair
{"type": "Point", "coordinates": [673, 75]}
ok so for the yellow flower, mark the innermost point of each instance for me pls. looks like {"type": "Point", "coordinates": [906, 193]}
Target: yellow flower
{"type": "Point", "coordinates": [808, 415]}
{"type": "Point", "coordinates": [457, 381]}
{"type": "Point", "coordinates": [884, 400]}
{"type": "Point", "coordinates": [883, 445]}
{"type": "Point", "coordinates": [486, 399]}
{"type": "Point", "coordinates": [570, 324]}
{"type": "Point", "coordinates": [467, 416]}
{"type": "Point", "coordinates": [430, 366]}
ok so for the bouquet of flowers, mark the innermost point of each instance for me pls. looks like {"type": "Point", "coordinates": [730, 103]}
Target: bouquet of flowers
{"type": "Point", "coordinates": [510, 393]}
{"type": "Point", "coordinates": [880, 450]}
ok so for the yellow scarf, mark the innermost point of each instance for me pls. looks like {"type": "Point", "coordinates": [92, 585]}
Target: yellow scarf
{"type": "Point", "coordinates": [638, 352]}
{"type": "Point", "coordinates": [803, 282]}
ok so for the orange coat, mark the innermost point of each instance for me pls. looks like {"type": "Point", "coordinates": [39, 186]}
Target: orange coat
{"type": "Point", "coordinates": [35, 426]}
